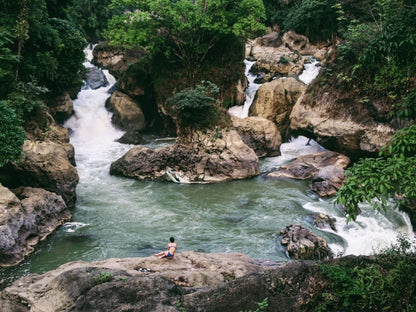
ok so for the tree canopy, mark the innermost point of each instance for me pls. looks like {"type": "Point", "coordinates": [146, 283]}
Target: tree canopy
{"type": "Point", "coordinates": [184, 31]}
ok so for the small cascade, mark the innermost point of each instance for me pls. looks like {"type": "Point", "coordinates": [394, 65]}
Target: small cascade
{"type": "Point", "coordinates": [310, 71]}
{"type": "Point", "coordinates": [241, 111]}
{"type": "Point", "coordinates": [370, 233]}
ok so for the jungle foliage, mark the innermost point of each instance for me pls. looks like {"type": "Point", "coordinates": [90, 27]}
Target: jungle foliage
{"type": "Point", "coordinates": [41, 55]}
{"type": "Point", "coordinates": [184, 31]}
{"type": "Point", "coordinates": [378, 60]}
{"type": "Point", "coordinates": [11, 135]}
{"type": "Point", "coordinates": [196, 107]}
{"type": "Point", "coordinates": [383, 283]}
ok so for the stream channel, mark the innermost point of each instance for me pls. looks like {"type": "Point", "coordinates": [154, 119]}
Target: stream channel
{"type": "Point", "coordinates": [119, 217]}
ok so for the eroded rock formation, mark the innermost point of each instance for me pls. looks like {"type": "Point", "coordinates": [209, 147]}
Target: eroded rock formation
{"type": "Point", "coordinates": [325, 168]}
{"type": "Point", "coordinates": [46, 165]}
{"type": "Point", "coordinates": [190, 282]}
{"type": "Point", "coordinates": [27, 216]}
{"type": "Point", "coordinates": [213, 156]}
{"type": "Point", "coordinates": [331, 117]}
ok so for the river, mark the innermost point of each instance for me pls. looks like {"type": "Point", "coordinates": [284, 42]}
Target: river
{"type": "Point", "coordinates": [119, 217]}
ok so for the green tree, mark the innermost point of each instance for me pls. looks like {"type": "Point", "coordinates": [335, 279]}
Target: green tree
{"type": "Point", "coordinates": [8, 60]}
{"type": "Point", "coordinates": [196, 107]}
{"type": "Point", "coordinates": [379, 54]}
{"type": "Point", "coordinates": [377, 180]}
{"type": "Point", "coordinates": [316, 19]}
{"type": "Point", "coordinates": [91, 16]}
{"type": "Point", "coordinates": [184, 30]}
{"type": "Point", "coordinates": [11, 135]}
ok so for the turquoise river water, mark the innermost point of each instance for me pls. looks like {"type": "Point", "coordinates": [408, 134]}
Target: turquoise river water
{"type": "Point", "coordinates": [118, 217]}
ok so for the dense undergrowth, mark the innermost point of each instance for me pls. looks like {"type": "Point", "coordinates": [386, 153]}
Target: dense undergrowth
{"type": "Point", "coordinates": [383, 282]}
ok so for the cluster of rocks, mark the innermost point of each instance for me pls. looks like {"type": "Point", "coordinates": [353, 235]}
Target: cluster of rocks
{"type": "Point", "coordinates": [302, 243]}
{"type": "Point", "coordinates": [283, 55]}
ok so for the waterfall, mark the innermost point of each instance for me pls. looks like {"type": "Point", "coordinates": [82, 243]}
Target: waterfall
{"type": "Point", "coordinates": [117, 217]}
{"type": "Point", "coordinates": [241, 111]}
{"type": "Point", "coordinates": [310, 71]}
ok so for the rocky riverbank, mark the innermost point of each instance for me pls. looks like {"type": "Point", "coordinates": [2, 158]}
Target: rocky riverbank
{"type": "Point", "coordinates": [202, 282]}
{"type": "Point", "coordinates": [192, 281]}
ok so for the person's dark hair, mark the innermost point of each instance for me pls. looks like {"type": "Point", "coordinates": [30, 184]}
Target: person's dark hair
{"type": "Point", "coordinates": [172, 239]}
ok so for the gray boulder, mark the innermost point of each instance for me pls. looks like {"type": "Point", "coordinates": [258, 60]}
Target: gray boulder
{"type": "Point", "coordinates": [95, 78]}
{"type": "Point", "coordinates": [27, 217]}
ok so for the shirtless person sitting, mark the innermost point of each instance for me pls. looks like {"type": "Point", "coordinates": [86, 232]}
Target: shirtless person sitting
{"type": "Point", "coordinates": [172, 246]}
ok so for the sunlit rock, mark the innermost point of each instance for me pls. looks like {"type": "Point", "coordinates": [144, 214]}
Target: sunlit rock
{"type": "Point", "coordinates": [46, 165]}
{"type": "Point", "coordinates": [275, 100]}
{"type": "Point", "coordinates": [210, 156]}
{"type": "Point", "coordinates": [260, 134]}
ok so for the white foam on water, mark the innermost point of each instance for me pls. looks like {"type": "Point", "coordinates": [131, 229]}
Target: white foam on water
{"type": "Point", "coordinates": [295, 147]}
{"type": "Point", "coordinates": [71, 227]}
{"type": "Point", "coordinates": [241, 111]}
{"type": "Point", "coordinates": [310, 71]}
{"type": "Point", "coordinates": [370, 233]}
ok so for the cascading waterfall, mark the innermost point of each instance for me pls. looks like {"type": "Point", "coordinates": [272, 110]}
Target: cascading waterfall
{"type": "Point", "coordinates": [310, 71]}
{"type": "Point", "coordinates": [241, 111]}
{"type": "Point", "coordinates": [118, 217]}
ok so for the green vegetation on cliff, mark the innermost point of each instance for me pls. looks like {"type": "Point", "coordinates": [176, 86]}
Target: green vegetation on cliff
{"type": "Point", "coordinates": [378, 61]}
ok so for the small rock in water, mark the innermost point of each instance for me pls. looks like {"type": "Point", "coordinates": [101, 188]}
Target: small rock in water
{"type": "Point", "coordinates": [321, 220]}
{"type": "Point", "coordinates": [301, 243]}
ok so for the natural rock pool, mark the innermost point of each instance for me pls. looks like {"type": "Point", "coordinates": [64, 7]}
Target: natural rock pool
{"type": "Point", "coordinates": [118, 217]}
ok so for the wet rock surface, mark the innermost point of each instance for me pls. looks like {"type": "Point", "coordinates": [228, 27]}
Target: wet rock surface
{"type": "Point", "coordinates": [213, 156]}
{"type": "Point", "coordinates": [127, 114]}
{"type": "Point", "coordinates": [326, 169]}
{"type": "Point", "coordinates": [27, 216]}
{"type": "Point", "coordinates": [302, 243]}
{"type": "Point", "coordinates": [95, 78]}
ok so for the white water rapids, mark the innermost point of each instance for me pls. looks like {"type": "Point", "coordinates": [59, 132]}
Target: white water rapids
{"type": "Point", "coordinates": [119, 217]}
